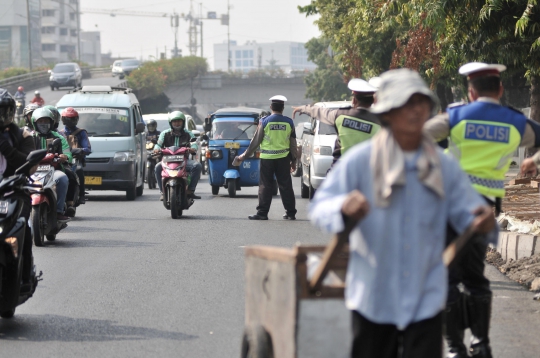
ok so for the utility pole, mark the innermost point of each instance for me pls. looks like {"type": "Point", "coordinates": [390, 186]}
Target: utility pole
{"type": "Point", "coordinates": [78, 13]}
{"type": "Point", "coordinates": [29, 34]}
{"type": "Point", "coordinates": [192, 32]}
{"type": "Point", "coordinates": [228, 36]}
{"type": "Point", "coordinates": [200, 17]}
{"type": "Point", "coordinates": [174, 25]}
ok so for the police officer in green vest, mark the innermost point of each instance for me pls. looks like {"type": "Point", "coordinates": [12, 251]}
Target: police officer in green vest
{"type": "Point", "coordinates": [277, 139]}
{"type": "Point", "coordinates": [354, 123]}
{"type": "Point", "coordinates": [483, 135]}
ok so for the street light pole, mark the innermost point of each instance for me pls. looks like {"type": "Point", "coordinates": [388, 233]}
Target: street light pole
{"type": "Point", "coordinates": [78, 14]}
{"type": "Point", "coordinates": [28, 34]}
{"type": "Point", "coordinates": [228, 37]}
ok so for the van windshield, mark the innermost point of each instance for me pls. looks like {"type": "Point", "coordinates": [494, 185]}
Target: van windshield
{"type": "Point", "coordinates": [104, 122]}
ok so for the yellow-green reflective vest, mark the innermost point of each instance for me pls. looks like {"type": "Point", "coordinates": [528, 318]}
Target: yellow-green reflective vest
{"type": "Point", "coordinates": [277, 133]}
{"type": "Point", "coordinates": [484, 137]}
{"type": "Point", "coordinates": [352, 130]}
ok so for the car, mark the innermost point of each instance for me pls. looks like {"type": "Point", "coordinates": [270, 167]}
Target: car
{"type": "Point", "coordinates": [318, 144]}
{"type": "Point", "coordinates": [66, 74]}
{"type": "Point", "coordinates": [163, 123]}
{"type": "Point", "coordinates": [122, 68]}
{"type": "Point", "coordinates": [113, 119]}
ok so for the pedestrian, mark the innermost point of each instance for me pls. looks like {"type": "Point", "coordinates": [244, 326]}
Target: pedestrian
{"type": "Point", "coordinates": [483, 135]}
{"type": "Point", "coordinates": [405, 190]}
{"type": "Point", "coordinates": [354, 123]}
{"type": "Point", "coordinates": [276, 136]}
{"type": "Point", "coordinates": [38, 99]}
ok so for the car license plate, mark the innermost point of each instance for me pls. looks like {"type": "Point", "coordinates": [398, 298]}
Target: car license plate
{"type": "Point", "coordinates": [232, 145]}
{"type": "Point", "coordinates": [92, 180]}
{"type": "Point", "coordinates": [43, 168]}
{"type": "Point", "coordinates": [3, 207]}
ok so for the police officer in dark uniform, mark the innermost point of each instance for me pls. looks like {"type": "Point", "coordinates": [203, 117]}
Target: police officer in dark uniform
{"type": "Point", "coordinates": [355, 123]}
{"type": "Point", "coordinates": [482, 135]}
{"type": "Point", "coordinates": [277, 139]}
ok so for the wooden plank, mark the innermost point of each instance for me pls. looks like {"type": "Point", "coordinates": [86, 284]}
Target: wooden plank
{"type": "Point", "coordinates": [535, 184]}
{"type": "Point", "coordinates": [452, 253]}
{"type": "Point", "coordinates": [519, 181]}
{"type": "Point", "coordinates": [275, 253]}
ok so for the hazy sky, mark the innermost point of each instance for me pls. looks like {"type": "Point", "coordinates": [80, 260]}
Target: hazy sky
{"type": "Point", "coordinates": [133, 36]}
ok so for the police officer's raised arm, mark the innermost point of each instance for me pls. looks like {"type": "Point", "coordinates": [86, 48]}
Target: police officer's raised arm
{"type": "Point", "coordinates": [438, 127]}
{"type": "Point", "coordinates": [325, 115]}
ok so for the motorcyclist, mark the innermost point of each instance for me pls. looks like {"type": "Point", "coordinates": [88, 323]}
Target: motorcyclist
{"type": "Point", "coordinates": [20, 95]}
{"type": "Point", "coordinates": [42, 122]}
{"type": "Point", "coordinates": [15, 145]}
{"type": "Point", "coordinates": [178, 136]}
{"type": "Point", "coordinates": [27, 114]}
{"type": "Point", "coordinates": [152, 134]}
{"type": "Point", "coordinates": [38, 99]}
{"type": "Point", "coordinates": [56, 114]}
{"type": "Point", "coordinates": [77, 138]}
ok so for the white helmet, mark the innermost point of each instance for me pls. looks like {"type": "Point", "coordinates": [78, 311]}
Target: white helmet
{"type": "Point", "coordinates": [37, 92]}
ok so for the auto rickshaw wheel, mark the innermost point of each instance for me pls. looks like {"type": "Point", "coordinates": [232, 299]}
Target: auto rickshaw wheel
{"type": "Point", "coordinates": [215, 189]}
{"type": "Point", "coordinates": [231, 187]}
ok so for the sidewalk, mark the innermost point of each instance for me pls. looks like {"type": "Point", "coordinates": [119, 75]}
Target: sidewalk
{"type": "Point", "coordinates": [515, 322]}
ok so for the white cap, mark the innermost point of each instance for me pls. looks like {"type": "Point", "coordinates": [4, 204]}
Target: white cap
{"type": "Point", "coordinates": [479, 69]}
{"type": "Point", "coordinates": [359, 85]}
{"type": "Point", "coordinates": [278, 98]}
{"type": "Point", "coordinates": [37, 92]}
{"type": "Point", "coordinates": [375, 82]}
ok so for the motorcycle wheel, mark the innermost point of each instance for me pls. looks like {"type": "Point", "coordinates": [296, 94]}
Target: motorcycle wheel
{"type": "Point", "coordinates": [231, 187]}
{"type": "Point", "coordinates": [151, 179]}
{"type": "Point", "coordinates": [38, 216]}
{"type": "Point", "coordinates": [51, 237]}
{"type": "Point", "coordinates": [204, 168]}
{"type": "Point", "coordinates": [176, 207]}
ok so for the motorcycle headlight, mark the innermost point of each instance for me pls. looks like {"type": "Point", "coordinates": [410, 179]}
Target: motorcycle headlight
{"type": "Point", "coordinates": [124, 156]}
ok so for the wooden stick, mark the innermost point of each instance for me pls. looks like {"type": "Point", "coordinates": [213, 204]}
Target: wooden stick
{"type": "Point", "coordinates": [456, 247]}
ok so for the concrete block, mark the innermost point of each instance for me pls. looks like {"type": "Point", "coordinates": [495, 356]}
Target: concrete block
{"type": "Point", "coordinates": [501, 245]}
{"type": "Point", "coordinates": [512, 245]}
{"type": "Point", "coordinates": [526, 245]}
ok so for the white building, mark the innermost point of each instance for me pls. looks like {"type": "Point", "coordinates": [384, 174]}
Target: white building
{"type": "Point", "coordinates": [91, 48]}
{"type": "Point", "coordinates": [59, 34]}
{"type": "Point", "coordinates": [14, 33]}
{"type": "Point", "coordinates": [289, 56]}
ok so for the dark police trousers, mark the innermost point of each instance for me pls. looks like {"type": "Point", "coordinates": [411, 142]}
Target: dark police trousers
{"type": "Point", "coordinates": [421, 339]}
{"type": "Point", "coordinates": [281, 168]}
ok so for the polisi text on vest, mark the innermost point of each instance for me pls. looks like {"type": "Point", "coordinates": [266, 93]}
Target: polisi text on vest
{"type": "Point", "coordinates": [487, 132]}
{"type": "Point", "coordinates": [356, 125]}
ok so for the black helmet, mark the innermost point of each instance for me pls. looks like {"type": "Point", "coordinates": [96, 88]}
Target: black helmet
{"type": "Point", "coordinates": [151, 123]}
{"type": "Point", "coordinates": [7, 108]}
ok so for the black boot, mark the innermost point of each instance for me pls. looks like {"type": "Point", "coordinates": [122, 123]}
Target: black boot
{"type": "Point", "coordinates": [454, 330]}
{"type": "Point", "coordinates": [479, 308]}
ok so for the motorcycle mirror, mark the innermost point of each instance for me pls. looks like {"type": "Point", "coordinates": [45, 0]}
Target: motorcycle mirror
{"type": "Point", "coordinates": [33, 158]}
{"type": "Point", "coordinates": [204, 137]}
{"type": "Point", "coordinates": [193, 140]}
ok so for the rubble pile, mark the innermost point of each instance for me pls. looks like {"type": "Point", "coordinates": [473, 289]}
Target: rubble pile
{"type": "Point", "coordinates": [525, 271]}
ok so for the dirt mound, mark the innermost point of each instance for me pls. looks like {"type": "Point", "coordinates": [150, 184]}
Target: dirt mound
{"type": "Point", "coordinates": [523, 271]}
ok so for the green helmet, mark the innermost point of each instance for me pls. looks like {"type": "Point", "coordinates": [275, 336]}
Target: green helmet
{"type": "Point", "coordinates": [42, 113]}
{"type": "Point", "coordinates": [177, 115]}
{"type": "Point", "coordinates": [55, 113]}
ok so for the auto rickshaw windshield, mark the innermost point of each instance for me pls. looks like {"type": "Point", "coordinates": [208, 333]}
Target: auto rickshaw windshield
{"type": "Point", "coordinates": [233, 130]}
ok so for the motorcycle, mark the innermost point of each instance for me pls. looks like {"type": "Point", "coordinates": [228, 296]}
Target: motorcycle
{"type": "Point", "coordinates": [12, 236]}
{"type": "Point", "coordinates": [77, 164]}
{"type": "Point", "coordinates": [43, 221]}
{"type": "Point", "coordinates": [175, 179]}
{"type": "Point", "coordinates": [204, 160]}
{"type": "Point", "coordinates": [151, 161]}
{"type": "Point", "coordinates": [19, 109]}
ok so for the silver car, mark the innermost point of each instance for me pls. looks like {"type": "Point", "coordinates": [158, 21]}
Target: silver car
{"type": "Point", "coordinates": [318, 142]}
{"type": "Point", "coordinates": [122, 68]}
{"type": "Point", "coordinates": [67, 74]}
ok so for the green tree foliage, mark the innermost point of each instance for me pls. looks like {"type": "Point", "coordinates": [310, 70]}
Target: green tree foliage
{"type": "Point", "coordinates": [326, 82]}
{"type": "Point", "coordinates": [151, 79]}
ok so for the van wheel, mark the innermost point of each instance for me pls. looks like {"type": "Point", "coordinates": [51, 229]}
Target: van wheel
{"type": "Point", "coordinates": [304, 189]}
{"type": "Point", "coordinates": [140, 190]}
{"type": "Point", "coordinates": [312, 191]}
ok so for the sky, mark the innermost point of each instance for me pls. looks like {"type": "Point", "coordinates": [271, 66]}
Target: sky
{"type": "Point", "coordinates": [136, 36]}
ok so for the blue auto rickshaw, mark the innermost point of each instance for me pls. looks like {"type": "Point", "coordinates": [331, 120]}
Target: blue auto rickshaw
{"type": "Point", "coordinates": [229, 133]}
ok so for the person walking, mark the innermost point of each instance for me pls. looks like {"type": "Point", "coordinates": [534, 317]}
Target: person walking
{"type": "Point", "coordinates": [483, 136]}
{"type": "Point", "coordinates": [276, 136]}
{"type": "Point", "coordinates": [355, 123]}
{"type": "Point", "coordinates": [405, 190]}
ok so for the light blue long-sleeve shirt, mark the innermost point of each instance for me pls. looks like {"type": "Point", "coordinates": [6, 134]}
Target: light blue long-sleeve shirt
{"type": "Point", "coordinates": [395, 273]}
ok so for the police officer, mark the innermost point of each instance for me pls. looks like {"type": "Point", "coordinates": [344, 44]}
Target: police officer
{"type": "Point", "coordinates": [275, 134]}
{"type": "Point", "coordinates": [354, 124]}
{"type": "Point", "coordinates": [482, 137]}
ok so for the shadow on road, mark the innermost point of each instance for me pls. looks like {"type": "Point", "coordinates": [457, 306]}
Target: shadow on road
{"type": "Point", "coordinates": [41, 328]}
{"type": "Point", "coordinates": [75, 243]}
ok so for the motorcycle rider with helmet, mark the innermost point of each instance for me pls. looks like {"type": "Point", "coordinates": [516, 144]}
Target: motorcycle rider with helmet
{"type": "Point", "coordinates": [27, 114]}
{"type": "Point", "coordinates": [20, 95]}
{"type": "Point", "coordinates": [15, 145]}
{"type": "Point", "coordinates": [178, 136]}
{"type": "Point", "coordinates": [77, 138]}
{"type": "Point", "coordinates": [42, 122]}
{"type": "Point", "coordinates": [38, 99]}
{"type": "Point", "coordinates": [56, 114]}
{"type": "Point", "coordinates": [152, 134]}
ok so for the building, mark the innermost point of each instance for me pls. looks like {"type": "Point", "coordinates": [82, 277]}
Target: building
{"type": "Point", "coordinates": [59, 31]}
{"type": "Point", "coordinates": [91, 48]}
{"type": "Point", "coordinates": [286, 55]}
{"type": "Point", "coordinates": [14, 33]}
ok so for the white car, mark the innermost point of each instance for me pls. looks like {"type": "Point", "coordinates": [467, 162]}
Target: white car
{"type": "Point", "coordinates": [318, 142]}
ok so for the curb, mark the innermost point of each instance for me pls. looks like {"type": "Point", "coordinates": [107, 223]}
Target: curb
{"type": "Point", "coordinates": [515, 246]}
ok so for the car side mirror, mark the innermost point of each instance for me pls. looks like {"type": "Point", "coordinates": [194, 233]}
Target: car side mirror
{"type": "Point", "coordinates": [139, 128]}
{"type": "Point", "coordinates": [196, 133]}
{"type": "Point", "coordinates": [33, 158]}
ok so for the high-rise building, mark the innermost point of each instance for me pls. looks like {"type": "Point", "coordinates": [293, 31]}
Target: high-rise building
{"type": "Point", "coordinates": [91, 48]}
{"type": "Point", "coordinates": [286, 55]}
{"type": "Point", "coordinates": [59, 31]}
{"type": "Point", "coordinates": [14, 33]}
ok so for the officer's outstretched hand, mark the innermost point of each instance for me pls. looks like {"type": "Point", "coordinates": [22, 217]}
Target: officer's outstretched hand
{"type": "Point", "coordinates": [295, 110]}
{"type": "Point", "coordinates": [355, 206]}
{"type": "Point", "coordinates": [528, 167]}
